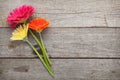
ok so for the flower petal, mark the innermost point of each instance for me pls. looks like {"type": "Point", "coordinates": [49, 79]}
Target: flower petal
{"type": "Point", "coordinates": [20, 33]}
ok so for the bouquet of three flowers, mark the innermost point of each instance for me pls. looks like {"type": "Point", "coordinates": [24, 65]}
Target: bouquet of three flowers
{"type": "Point", "coordinates": [18, 19]}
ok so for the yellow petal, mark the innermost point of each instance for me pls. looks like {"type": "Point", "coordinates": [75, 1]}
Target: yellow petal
{"type": "Point", "coordinates": [20, 33]}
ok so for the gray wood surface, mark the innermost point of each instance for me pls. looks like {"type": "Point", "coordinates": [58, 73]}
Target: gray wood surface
{"type": "Point", "coordinates": [72, 13]}
{"type": "Point", "coordinates": [83, 41]}
{"type": "Point", "coordinates": [70, 69]}
{"type": "Point", "coordinates": [67, 42]}
{"type": "Point", "coordinates": [64, 6]}
{"type": "Point", "coordinates": [69, 20]}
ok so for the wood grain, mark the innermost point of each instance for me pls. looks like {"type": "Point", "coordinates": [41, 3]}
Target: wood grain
{"type": "Point", "coordinates": [78, 69]}
{"type": "Point", "coordinates": [68, 20]}
{"type": "Point", "coordinates": [83, 41]}
{"type": "Point", "coordinates": [87, 13]}
{"type": "Point", "coordinates": [67, 42]}
{"type": "Point", "coordinates": [64, 6]}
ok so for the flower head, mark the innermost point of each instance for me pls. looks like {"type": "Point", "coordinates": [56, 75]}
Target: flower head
{"type": "Point", "coordinates": [19, 15]}
{"type": "Point", "coordinates": [20, 33]}
{"type": "Point", "coordinates": [38, 24]}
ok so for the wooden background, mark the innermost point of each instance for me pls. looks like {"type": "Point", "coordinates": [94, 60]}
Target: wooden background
{"type": "Point", "coordinates": [83, 41]}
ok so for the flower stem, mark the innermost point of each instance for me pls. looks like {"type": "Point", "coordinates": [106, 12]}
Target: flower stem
{"type": "Point", "coordinates": [46, 58]}
{"type": "Point", "coordinates": [49, 70]}
{"type": "Point", "coordinates": [41, 41]}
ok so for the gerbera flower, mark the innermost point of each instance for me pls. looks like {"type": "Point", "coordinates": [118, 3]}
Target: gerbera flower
{"type": "Point", "coordinates": [20, 33]}
{"type": "Point", "coordinates": [38, 24]}
{"type": "Point", "coordinates": [20, 15]}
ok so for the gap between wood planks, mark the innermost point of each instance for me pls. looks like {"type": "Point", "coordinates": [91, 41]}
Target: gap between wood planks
{"type": "Point", "coordinates": [61, 58]}
{"type": "Point", "coordinates": [79, 27]}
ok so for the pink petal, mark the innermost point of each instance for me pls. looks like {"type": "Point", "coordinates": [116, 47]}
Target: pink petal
{"type": "Point", "coordinates": [13, 26]}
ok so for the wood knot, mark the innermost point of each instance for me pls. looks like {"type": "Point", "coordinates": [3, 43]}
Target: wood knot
{"type": "Point", "coordinates": [10, 46]}
{"type": "Point", "coordinates": [22, 69]}
{"type": "Point", "coordinates": [14, 44]}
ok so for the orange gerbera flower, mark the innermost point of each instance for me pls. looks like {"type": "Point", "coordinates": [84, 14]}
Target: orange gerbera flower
{"type": "Point", "coordinates": [38, 24]}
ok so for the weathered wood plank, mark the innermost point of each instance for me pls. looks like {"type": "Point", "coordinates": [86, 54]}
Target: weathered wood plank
{"type": "Point", "coordinates": [68, 20]}
{"type": "Point", "coordinates": [64, 6]}
{"type": "Point", "coordinates": [61, 13]}
{"type": "Point", "coordinates": [72, 69]}
{"type": "Point", "coordinates": [67, 42]}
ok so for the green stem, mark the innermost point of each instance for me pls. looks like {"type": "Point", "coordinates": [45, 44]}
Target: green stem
{"type": "Point", "coordinates": [49, 70]}
{"type": "Point", "coordinates": [42, 43]}
{"type": "Point", "coordinates": [46, 58]}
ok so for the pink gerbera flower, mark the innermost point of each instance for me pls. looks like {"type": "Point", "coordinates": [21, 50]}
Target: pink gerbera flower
{"type": "Point", "coordinates": [20, 15]}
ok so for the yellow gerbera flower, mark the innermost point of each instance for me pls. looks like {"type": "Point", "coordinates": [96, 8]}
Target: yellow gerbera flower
{"type": "Point", "coordinates": [20, 33]}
